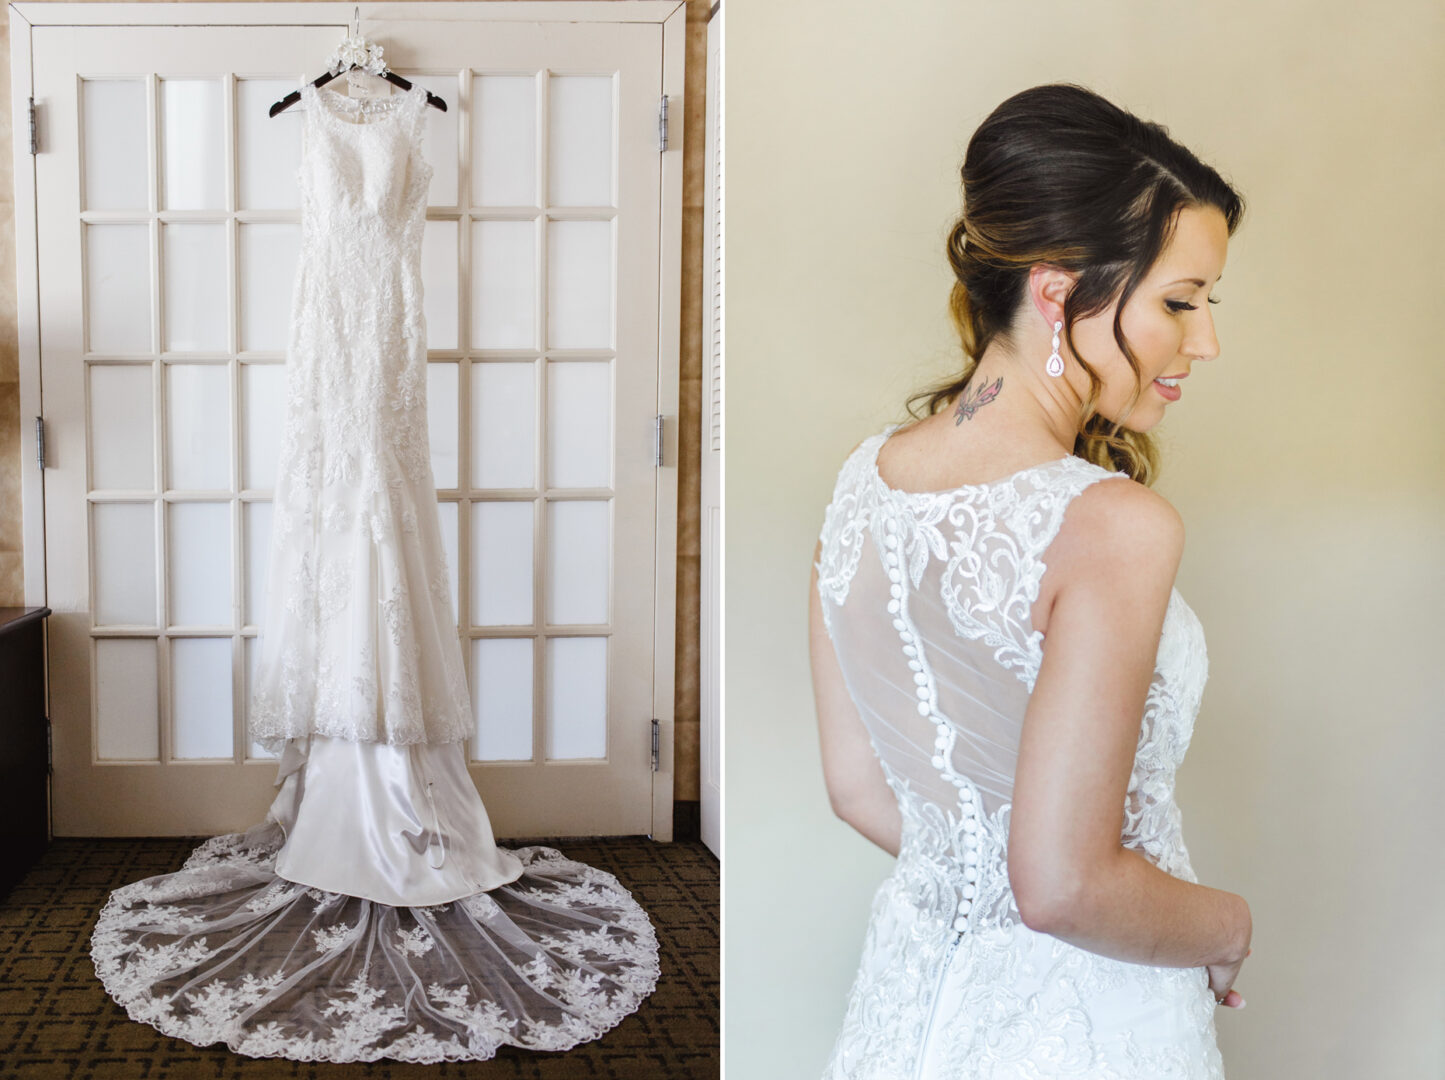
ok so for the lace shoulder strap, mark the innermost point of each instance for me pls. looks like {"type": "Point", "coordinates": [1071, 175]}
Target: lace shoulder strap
{"type": "Point", "coordinates": [991, 580]}
{"type": "Point", "coordinates": [846, 519]}
{"type": "Point", "coordinates": [414, 109]}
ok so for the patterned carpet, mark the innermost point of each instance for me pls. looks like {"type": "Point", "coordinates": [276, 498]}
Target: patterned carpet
{"type": "Point", "coordinates": [56, 1022]}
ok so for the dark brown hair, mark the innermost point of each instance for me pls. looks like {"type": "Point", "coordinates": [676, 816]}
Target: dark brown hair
{"type": "Point", "coordinates": [1059, 175]}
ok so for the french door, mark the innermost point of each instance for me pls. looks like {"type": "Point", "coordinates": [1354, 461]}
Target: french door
{"type": "Point", "coordinates": [167, 229]}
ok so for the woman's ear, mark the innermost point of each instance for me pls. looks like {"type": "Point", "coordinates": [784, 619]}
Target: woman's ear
{"type": "Point", "coordinates": [1048, 289]}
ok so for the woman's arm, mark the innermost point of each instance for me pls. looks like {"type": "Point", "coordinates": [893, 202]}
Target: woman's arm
{"type": "Point", "coordinates": [1115, 559]}
{"type": "Point", "coordinates": [856, 787]}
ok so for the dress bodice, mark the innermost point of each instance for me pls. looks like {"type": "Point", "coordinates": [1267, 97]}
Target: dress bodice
{"type": "Point", "coordinates": [363, 176]}
{"type": "Point", "coordinates": [928, 599]}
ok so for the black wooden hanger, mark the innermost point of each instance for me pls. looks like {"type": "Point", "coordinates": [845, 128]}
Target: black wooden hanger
{"type": "Point", "coordinates": [358, 48]}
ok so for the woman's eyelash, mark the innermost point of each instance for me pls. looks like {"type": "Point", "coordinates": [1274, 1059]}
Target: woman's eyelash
{"type": "Point", "coordinates": [1181, 305]}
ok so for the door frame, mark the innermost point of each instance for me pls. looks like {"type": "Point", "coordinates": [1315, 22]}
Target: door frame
{"type": "Point", "coordinates": [670, 14]}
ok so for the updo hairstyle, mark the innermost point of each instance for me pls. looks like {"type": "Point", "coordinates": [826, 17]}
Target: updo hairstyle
{"type": "Point", "coordinates": [1059, 175]}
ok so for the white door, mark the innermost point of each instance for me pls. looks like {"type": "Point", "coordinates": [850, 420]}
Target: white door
{"type": "Point", "coordinates": [167, 222]}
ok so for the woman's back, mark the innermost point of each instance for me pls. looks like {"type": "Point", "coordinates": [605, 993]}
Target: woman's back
{"type": "Point", "coordinates": [928, 598]}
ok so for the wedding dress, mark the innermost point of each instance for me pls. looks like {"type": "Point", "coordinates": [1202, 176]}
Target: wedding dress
{"type": "Point", "coordinates": [371, 915]}
{"type": "Point", "coordinates": [927, 598]}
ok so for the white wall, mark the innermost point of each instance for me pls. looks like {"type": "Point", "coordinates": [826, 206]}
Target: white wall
{"type": "Point", "coordinates": [1308, 463]}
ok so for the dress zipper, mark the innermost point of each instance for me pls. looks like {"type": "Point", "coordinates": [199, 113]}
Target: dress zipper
{"type": "Point", "coordinates": [933, 1005]}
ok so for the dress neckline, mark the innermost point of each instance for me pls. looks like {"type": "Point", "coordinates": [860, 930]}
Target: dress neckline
{"type": "Point", "coordinates": [899, 493]}
{"type": "Point", "coordinates": [388, 107]}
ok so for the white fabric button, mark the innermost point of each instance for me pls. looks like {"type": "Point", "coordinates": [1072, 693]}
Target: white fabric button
{"type": "Point", "coordinates": [893, 607]}
{"type": "Point", "coordinates": [966, 795]}
{"type": "Point", "coordinates": [894, 575]}
{"type": "Point", "coordinates": [923, 708]}
{"type": "Point", "coordinates": [970, 891]}
{"type": "Point", "coordinates": [895, 591]}
{"type": "Point", "coordinates": [970, 873]}
{"type": "Point", "coordinates": [964, 907]}
{"type": "Point", "coordinates": [890, 539]}
{"type": "Point", "coordinates": [970, 824]}
{"type": "Point", "coordinates": [971, 858]}
{"type": "Point", "coordinates": [909, 650]}
{"type": "Point", "coordinates": [921, 691]}
{"type": "Point", "coordinates": [960, 925]}
{"type": "Point", "coordinates": [900, 625]}
{"type": "Point", "coordinates": [937, 761]}
{"type": "Point", "coordinates": [920, 678]}
{"type": "Point", "coordinates": [941, 742]}
{"type": "Point", "coordinates": [890, 525]}
{"type": "Point", "coordinates": [970, 841]}
{"type": "Point", "coordinates": [914, 664]}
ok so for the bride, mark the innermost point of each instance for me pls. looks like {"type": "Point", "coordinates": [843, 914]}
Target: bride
{"type": "Point", "coordinates": [1005, 690]}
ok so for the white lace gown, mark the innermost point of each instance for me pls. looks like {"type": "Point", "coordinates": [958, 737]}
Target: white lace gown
{"type": "Point", "coordinates": [371, 915]}
{"type": "Point", "coordinates": [927, 598]}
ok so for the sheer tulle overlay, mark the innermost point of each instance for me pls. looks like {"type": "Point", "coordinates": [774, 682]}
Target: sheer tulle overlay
{"type": "Point", "coordinates": [927, 598]}
{"type": "Point", "coordinates": [226, 951]}
{"type": "Point", "coordinates": [371, 915]}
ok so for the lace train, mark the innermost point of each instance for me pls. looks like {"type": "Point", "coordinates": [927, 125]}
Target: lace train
{"type": "Point", "coordinates": [224, 950]}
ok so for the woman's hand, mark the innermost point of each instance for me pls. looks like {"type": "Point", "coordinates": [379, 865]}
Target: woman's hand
{"type": "Point", "coordinates": [1221, 982]}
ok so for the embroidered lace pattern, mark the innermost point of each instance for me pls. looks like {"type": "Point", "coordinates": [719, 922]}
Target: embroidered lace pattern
{"type": "Point", "coordinates": [225, 952]}
{"type": "Point", "coordinates": [928, 599]}
{"type": "Point", "coordinates": [351, 531]}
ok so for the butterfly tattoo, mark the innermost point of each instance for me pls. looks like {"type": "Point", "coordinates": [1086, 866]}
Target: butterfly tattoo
{"type": "Point", "coordinates": [968, 406]}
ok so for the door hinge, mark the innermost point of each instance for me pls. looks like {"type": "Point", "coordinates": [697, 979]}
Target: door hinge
{"type": "Point", "coordinates": [34, 131]}
{"type": "Point", "coordinates": [657, 440]}
{"type": "Point", "coordinates": [656, 745]}
{"type": "Point", "coordinates": [40, 442]}
{"type": "Point", "coordinates": [661, 123]}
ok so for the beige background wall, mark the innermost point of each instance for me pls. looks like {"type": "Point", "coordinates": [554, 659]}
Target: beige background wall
{"type": "Point", "coordinates": [691, 118]}
{"type": "Point", "coordinates": [1308, 462]}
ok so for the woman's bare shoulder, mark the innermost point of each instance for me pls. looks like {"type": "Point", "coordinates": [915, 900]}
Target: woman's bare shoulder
{"type": "Point", "coordinates": [1114, 527]}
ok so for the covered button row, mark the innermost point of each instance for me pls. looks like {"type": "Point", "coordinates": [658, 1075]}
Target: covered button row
{"type": "Point", "coordinates": [890, 557]}
{"type": "Point", "coordinates": [969, 890]}
{"type": "Point", "coordinates": [895, 575]}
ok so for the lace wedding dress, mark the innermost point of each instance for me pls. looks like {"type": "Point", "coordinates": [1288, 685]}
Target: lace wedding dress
{"type": "Point", "coordinates": [927, 598]}
{"type": "Point", "coordinates": [370, 915]}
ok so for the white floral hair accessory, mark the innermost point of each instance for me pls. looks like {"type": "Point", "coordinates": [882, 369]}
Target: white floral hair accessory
{"type": "Point", "coordinates": [357, 51]}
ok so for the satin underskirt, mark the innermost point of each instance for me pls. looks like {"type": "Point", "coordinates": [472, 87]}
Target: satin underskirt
{"type": "Point", "coordinates": [400, 825]}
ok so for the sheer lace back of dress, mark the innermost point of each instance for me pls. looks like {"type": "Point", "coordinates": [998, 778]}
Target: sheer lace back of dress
{"type": "Point", "coordinates": [928, 599]}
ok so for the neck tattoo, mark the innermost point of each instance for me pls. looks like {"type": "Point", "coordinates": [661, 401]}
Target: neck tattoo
{"type": "Point", "coordinates": [971, 402]}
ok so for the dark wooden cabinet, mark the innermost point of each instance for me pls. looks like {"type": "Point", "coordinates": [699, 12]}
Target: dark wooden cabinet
{"type": "Point", "coordinates": [24, 743]}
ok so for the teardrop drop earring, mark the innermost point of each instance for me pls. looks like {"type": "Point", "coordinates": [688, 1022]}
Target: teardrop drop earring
{"type": "Point", "coordinates": [1055, 366]}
